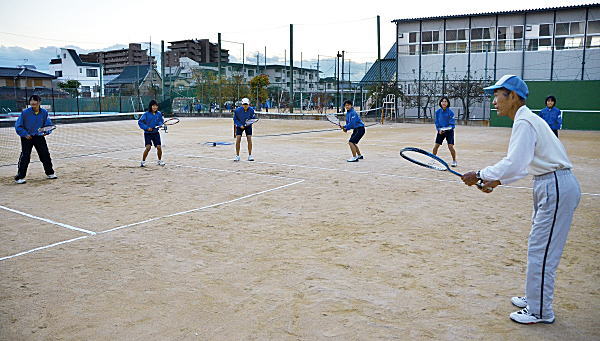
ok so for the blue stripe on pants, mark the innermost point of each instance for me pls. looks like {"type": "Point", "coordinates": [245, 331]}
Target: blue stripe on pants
{"type": "Point", "coordinates": [555, 197]}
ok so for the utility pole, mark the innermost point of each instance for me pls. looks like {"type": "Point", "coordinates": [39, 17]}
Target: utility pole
{"type": "Point", "coordinates": [257, 70]}
{"type": "Point", "coordinates": [337, 76]}
{"type": "Point", "coordinates": [219, 66]}
{"type": "Point", "coordinates": [291, 68]}
{"type": "Point", "coordinates": [379, 46]}
{"type": "Point", "coordinates": [300, 81]}
{"type": "Point", "coordinates": [162, 68]}
{"type": "Point", "coordinates": [343, 62]}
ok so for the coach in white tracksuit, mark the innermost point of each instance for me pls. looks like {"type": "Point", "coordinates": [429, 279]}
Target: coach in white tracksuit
{"type": "Point", "coordinates": [534, 149]}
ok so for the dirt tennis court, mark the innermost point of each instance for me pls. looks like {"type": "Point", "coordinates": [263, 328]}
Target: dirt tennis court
{"type": "Point", "coordinates": [298, 245]}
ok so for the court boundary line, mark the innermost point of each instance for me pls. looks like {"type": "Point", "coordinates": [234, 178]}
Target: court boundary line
{"type": "Point", "coordinates": [50, 221]}
{"type": "Point", "coordinates": [201, 208]}
{"type": "Point", "coordinates": [361, 172]}
{"type": "Point", "coordinates": [91, 233]}
{"type": "Point", "coordinates": [42, 248]}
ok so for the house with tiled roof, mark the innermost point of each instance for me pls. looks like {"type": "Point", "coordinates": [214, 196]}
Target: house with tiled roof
{"type": "Point", "coordinates": [141, 80]}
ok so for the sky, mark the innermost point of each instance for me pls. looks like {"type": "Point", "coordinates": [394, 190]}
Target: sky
{"type": "Point", "coordinates": [321, 28]}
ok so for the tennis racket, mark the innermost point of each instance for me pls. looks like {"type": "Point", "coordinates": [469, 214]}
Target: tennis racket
{"type": "Point", "coordinates": [333, 119]}
{"type": "Point", "coordinates": [250, 121]}
{"type": "Point", "coordinates": [169, 122]}
{"type": "Point", "coordinates": [46, 129]}
{"type": "Point", "coordinates": [426, 159]}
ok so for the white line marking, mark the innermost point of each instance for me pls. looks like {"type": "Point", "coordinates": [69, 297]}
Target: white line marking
{"type": "Point", "coordinates": [241, 172]}
{"type": "Point", "coordinates": [360, 172]}
{"type": "Point", "coordinates": [202, 208]}
{"type": "Point", "coordinates": [42, 248]}
{"type": "Point", "coordinates": [49, 221]}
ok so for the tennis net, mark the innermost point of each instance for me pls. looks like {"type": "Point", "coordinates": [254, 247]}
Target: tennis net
{"type": "Point", "coordinates": [75, 136]}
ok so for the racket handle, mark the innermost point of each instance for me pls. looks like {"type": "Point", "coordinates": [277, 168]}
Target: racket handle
{"type": "Point", "coordinates": [483, 188]}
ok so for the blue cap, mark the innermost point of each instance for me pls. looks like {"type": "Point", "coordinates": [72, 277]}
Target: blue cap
{"type": "Point", "coordinates": [509, 82]}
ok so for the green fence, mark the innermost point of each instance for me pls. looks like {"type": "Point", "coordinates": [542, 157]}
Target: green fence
{"type": "Point", "coordinates": [578, 100]}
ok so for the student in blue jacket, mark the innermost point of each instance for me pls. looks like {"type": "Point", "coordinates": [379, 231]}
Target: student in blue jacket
{"type": "Point", "coordinates": [353, 122]}
{"type": "Point", "coordinates": [445, 124]}
{"type": "Point", "coordinates": [27, 125]}
{"type": "Point", "coordinates": [149, 122]}
{"type": "Point", "coordinates": [552, 115]}
{"type": "Point", "coordinates": [240, 115]}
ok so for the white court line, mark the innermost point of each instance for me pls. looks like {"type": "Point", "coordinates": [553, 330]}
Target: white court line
{"type": "Point", "coordinates": [42, 248]}
{"type": "Point", "coordinates": [241, 172]}
{"type": "Point", "coordinates": [49, 221]}
{"type": "Point", "coordinates": [362, 172]}
{"type": "Point", "coordinates": [201, 208]}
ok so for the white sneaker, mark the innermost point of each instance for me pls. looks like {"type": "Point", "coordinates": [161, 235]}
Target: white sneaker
{"type": "Point", "coordinates": [360, 157]}
{"type": "Point", "coordinates": [454, 163]}
{"type": "Point", "coordinates": [21, 181]}
{"type": "Point", "coordinates": [143, 164]}
{"type": "Point", "coordinates": [525, 317]}
{"type": "Point", "coordinates": [160, 162]}
{"type": "Point", "coordinates": [250, 158]}
{"type": "Point", "coordinates": [519, 301]}
{"type": "Point", "coordinates": [236, 158]}
{"type": "Point", "coordinates": [353, 159]}
{"type": "Point", "coordinates": [52, 176]}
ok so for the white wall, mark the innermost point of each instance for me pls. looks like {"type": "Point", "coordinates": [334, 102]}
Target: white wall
{"type": "Point", "coordinates": [70, 71]}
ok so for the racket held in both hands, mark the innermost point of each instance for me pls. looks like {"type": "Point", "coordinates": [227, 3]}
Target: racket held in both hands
{"type": "Point", "coordinates": [251, 121]}
{"type": "Point", "coordinates": [46, 129]}
{"type": "Point", "coordinates": [426, 159]}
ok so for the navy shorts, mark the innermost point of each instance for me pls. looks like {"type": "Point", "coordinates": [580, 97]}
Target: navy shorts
{"type": "Point", "coordinates": [247, 129]}
{"type": "Point", "coordinates": [150, 138]}
{"type": "Point", "coordinates": [448, 135]}
{"type": "Point", "coordinates": [357, 134]}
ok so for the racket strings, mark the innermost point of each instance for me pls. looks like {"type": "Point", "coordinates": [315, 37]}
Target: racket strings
{"type": "Point", "coordinates": [424, 160]}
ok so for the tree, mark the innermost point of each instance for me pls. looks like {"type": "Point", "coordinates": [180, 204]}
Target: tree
{"type": "Point", "coordinates": [71, 86]}
{"type": "Point", "coordinates": [377, 92]}
{"type": "Point", "coordinates": [467, 90]}
{"type": "Point", "coordinates": [258, 88]}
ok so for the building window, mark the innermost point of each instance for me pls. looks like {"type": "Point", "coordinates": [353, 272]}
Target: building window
{"type": "Point", "coordinates": [593, 38]}
{"type": "Point", "coordinates": [91, 72]}
{"type": "Point", "coordinates": [250, 73]}
{"type": "Point", "coordinates": [510, 38]}
{"type": "Point", "coordinates": [481, 39]}
{"type": "Point", "coordinates": [413, 37]}
{"type": "Point", "coordinates": [58, 73]}
{"type": "Point", "coordinates": [569, 35]}
{"type": "Point", "coordinates": [80, 70]}
{"type": "Point", "coordinates": [277, 79]}
{"type": "Point", "coordinates": [38, 82]}
{"type": "Point", "coordinates": [539, 37]}
{"type": "Point", "coordinates": [430, 43]}
{"type": "Point", "coordinates": [456, 41]}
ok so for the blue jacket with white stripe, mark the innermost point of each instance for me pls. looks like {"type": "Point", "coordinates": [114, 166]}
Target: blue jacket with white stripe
{"type": "Point", "coordinates": [552, 116]}
{"type": "Point", "coordinates": [150, 120]}
{"type": "Point", "coordinates": [353, 120]}
{"type": "Point", "coordinates": [29, 122]}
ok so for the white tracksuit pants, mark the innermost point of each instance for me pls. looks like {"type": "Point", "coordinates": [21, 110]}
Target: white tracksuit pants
{"type": "Point", "coordinates": [555, 197]}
